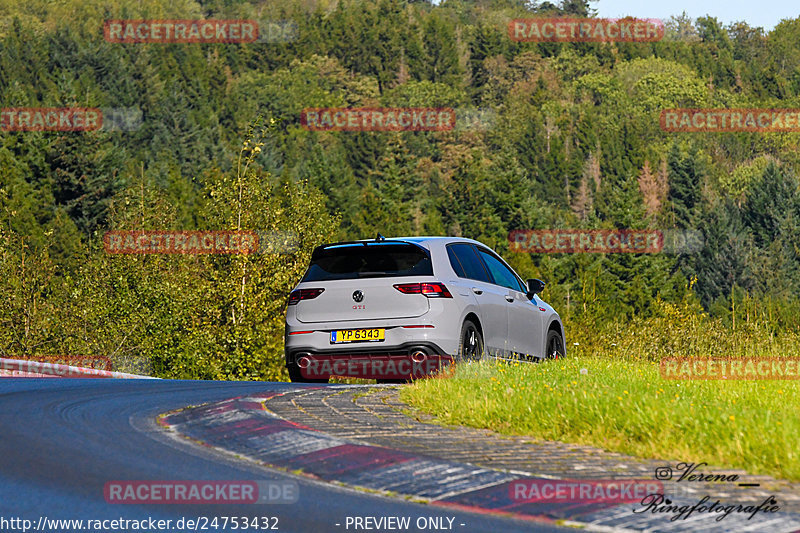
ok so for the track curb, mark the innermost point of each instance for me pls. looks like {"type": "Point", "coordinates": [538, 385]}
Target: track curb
{"type": "Point", "coordinates": [245, 427]}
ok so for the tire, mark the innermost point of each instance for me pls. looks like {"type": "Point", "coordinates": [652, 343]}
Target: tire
{"type": "Point", "coordinates": [554, 348]}
{"type": "Point", "coordinates": [296, 377]}
{"type": "Point", "coordinates": [470, 345]}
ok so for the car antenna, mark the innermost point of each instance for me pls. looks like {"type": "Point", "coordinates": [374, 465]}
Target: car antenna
{"type": "Point", "coordinates": [380, 237]}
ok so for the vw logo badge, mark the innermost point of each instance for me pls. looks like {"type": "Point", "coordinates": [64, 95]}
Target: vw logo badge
{"type": "Point", "coordinates": [358, 296]}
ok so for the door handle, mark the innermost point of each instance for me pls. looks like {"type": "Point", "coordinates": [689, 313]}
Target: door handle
{"type": "Point", "coordinates": [476, 290]}
{"type": "Point", "coordinates": [509, 299]}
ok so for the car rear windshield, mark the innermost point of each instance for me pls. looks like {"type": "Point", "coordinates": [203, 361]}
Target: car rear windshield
{"type": "Point", "coordinates": [375, 260]}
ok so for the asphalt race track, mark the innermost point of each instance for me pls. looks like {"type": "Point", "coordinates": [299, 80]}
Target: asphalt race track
{"type": "Point", "coordinates": [62, 440]}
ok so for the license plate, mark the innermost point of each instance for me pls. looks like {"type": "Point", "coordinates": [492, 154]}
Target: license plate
{"type": "Point", "coordinates": [357, 335]}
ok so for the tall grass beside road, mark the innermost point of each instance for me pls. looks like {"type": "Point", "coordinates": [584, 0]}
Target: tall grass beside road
{"type": "Point", "coordinates": [608, 392]}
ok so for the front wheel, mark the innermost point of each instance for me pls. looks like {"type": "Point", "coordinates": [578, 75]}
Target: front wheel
{"type": "Point", "coordinates": [471, 345]}
{"type": "Point", "coordinates": [555, 345]}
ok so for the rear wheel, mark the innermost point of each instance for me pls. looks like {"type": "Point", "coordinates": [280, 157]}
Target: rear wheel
{"type": "Point", "coordinates": [471, 345]}
{"type": "Point", "coordinates": [297, 377]}
{"type": "Point", "coordinates": [555, 345]}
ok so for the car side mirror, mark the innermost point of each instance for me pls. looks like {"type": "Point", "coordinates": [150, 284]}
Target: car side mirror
{"type": "Point", "coordinates": [535, 286]}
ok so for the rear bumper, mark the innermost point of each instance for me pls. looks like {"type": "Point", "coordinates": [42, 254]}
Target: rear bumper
{"type": "Point", "coordinates": [437, 331]}
{"type": "Point", "coordinates": [362, 350]}
{"type": "Point", "coordinates": [414, 361]}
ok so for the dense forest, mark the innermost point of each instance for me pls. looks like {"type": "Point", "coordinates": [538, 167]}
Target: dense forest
{"type": "Point", "coordinates": [209, 136]}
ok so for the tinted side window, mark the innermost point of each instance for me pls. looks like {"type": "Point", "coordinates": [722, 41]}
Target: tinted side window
{"type": "Point", "coordinates": [469, 262]}
{"type": "Point", "coordinates": [455, 263]}
{"type": "Point", "coordinates": [502, 275]}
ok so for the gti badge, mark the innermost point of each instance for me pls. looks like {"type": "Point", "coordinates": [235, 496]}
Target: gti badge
{"type": "Point", "coordinates": [358, 296]}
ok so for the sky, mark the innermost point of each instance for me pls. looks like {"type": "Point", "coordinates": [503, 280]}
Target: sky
{"type": "Point", "coordinates": [764, 13]}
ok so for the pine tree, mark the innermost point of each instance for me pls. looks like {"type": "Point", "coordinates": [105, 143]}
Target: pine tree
{"type": "Point", "coordinates": [768, 203]}
{"type": "Point", "coordinates": [686, 175]}
{"type": "Point", "coordinates": [653, 188]}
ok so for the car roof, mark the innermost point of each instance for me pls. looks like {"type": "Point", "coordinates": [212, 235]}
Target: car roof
{"type": "Point", "coordinates": [422, 242]}
{"type": "Point", "coordinates": [430, 239]}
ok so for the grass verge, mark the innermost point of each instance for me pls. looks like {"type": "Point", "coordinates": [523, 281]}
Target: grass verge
{"type": "Point", "coordinates": [623, 404]}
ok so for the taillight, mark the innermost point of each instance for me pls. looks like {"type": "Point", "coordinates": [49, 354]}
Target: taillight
{"type": "Point", "coordinates": [431, 290]}
{"type": "Point", "coordinates": [303, 294]}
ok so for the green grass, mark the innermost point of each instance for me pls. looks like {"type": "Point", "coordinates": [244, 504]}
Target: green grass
{"type": "Point", "coordinates": [622, 404]}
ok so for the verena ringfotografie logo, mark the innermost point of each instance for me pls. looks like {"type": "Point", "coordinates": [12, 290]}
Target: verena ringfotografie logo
{"type": "Point", "coordinates": [690, 473]}
{"type": "Point", "coordinates": [730, 120]}
{"type": "Point", "coordinates": [583, 491]}
{"type": "Point", "coordinates": [201, 492]}
{"type": "Point", "coordinates": [585, 30]}
{"type": "Point", "coordinates": [50, 119]}
{"type": "Point", "coordinates": [180, 242]}
{"type": "Point", "coordinates": [566, 241]}
{"type": "Point", "coordinates": [733, 368]}
{"type": "Point", "coordinates": [378, 119]}
{"type": "Point", "coordinates": [372, 367]}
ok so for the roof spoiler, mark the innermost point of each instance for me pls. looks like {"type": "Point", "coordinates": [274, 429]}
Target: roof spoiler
{"type": "Point", "coordinates": [379, 239]}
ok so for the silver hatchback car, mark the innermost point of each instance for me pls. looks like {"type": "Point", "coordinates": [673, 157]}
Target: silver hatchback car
{"type": "Point", "coordinates": [417, 298]}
